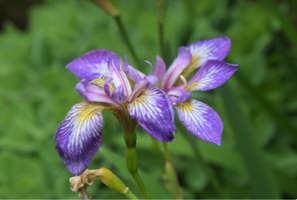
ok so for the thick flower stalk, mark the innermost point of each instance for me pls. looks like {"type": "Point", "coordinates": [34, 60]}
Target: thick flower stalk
{"type": "Point", "coordinates": [109, 84]}
{"type": "Point", "coordinates": [199, 119]}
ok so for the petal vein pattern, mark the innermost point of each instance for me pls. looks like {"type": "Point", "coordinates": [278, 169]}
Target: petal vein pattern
{"type": "Point", "coordinates": [155, 114]}
{"type": "Point", "coordinates": [200, 120]}
{"type": "Point", "coordinates": [79, 136]}
{"type": "Point", "coordinates": [211, 75]}
{"type": "Point", "coordinates": [216, 49]}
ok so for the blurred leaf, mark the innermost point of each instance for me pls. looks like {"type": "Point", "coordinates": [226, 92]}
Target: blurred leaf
{"type": "Point", "coordinates": [288, 27]}
{"type": "Point", "coordinates": [261, 179]}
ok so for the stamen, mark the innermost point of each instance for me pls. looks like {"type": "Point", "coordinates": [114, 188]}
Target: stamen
{"type": "Point", "coordinates": [183, 80]}
{"type": "Point", "coordinates": [148, 62]}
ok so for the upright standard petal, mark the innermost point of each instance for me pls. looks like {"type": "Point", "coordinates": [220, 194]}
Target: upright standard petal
{"type": "Point", "coordinates": [160, 69]}
{"type": "Point", "coordinates": [212, 74]}
{"type": "Point", "coordinates": [119, 78]}
{"type": "Point", "coordinates": [174, 71]}
{"type": "Point", "coordinates": [200, 120]}
{"type": "Point", "coordinates": [79, 136]}
{"type": "Point", "coordinates": [154, 113]}
{"type": "Point", "coordinates": [91, 65]}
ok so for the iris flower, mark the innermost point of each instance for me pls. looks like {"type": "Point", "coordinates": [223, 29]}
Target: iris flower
{"type": "Point", "coordinates": [199, 119]}
{"type": "Point", "coordinates": [109, 84]}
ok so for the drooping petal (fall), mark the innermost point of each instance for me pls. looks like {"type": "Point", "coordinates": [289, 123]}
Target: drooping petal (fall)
{"type": "Point", "coordinates": [200, 120]}
{"type": "Point", "coordinates": [79, 135]}
{"type": "Point", "coordinates": [214, 49]}
{"type": "Point", "coordinates": [93, 93]}
{"type": "Point", "coordinates": [174, 71]}
{"type": "Point", "coordinates": [154, 113]}
{"type": "Point", "coordinates": [91, 65]}
{"type": "Point", "coordinates": [212, 74]}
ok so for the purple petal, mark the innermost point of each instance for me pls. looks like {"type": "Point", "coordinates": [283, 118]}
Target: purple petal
{"type": "Point", "coordinates": [132, 73]}
{"type": "Point", "coordinates": [212, 74]}
{"type": "Point", "coordinates": [155, 114]}
{"type": "Point", "coordinates": [178, 95]}
{"type": "Point", "coordinates": [119, 78]}
{"type": "Point", "coordinates": [119, 95]}
{"type": "Point", "coordinates": [91, 65]}
{"type": "Point", "coordinates": [160, 69]}
{"type": "Point", "coordinates": [214, 49]}
{"type": "Point", "coordinates": [106, 87]}
{"type": "Point", "coordinates": [79, 136]}
{"type": "Point", "coordinates": [174, 71]}
{"type": "Point", "coordinates": [138, 89]}
{"type": "Point", "coordinates": [93, 93]}
{"type": "Point", "coordinates": [152, 79]}
{"type": "Point", "coordinates": [200, 120]}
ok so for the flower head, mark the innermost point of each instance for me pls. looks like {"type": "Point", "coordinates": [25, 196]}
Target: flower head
{"type": "Point", "coordinates": [199, 119]}
{"type": "Point", "coordinates": [109, 84]}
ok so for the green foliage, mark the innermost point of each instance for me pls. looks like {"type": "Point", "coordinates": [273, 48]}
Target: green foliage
{"type": "Point", "coordinates": [36, 92]}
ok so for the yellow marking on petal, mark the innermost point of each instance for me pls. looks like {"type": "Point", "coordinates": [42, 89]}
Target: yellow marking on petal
{"type": "Point", "coordinates": [141, 99]}
{"type": "Point", "coordinates": [191, 87]}
{"type": "Point", "coordinates": [89, 110]}
{"type": "Point", "coordinates": [100, 83]}
{"type": "Point", "coordinates": [185, 106]}
{"type": "Point", "coordinates": [190, 68]}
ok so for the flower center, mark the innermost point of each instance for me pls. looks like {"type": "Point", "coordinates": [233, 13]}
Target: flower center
{"type": "Point", "coordinates": [100, 83]}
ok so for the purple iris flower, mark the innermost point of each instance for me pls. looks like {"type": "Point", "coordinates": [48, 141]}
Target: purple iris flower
{"type": "Point", "coordinates": [109, 84]}
{"type": "Point", "coordinates": [199, 119]}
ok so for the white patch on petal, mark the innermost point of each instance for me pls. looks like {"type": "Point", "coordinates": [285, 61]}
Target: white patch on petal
{"type": "Point", "coordinates": [79, 136]}
{"type": "Point", "coordinates": [200, 120]}
{"type": "Point", "coordinates": [155, 114]}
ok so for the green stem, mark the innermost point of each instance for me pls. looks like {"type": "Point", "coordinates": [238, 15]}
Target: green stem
{"type": "Point", "coordinates": [130, 195]}
{"type": "Point", "coordinates": [162, 43]}
{"type": "Point", "coordinates": [162, 5]}
{"type": "Point", "coordinates": [213, 180]}
{"type": "Point", "coordinates": [126, 39]}
{"type": "Point", "coordinates": [166, 152]}
{"type": "Point", "coordinates": [131, 162]}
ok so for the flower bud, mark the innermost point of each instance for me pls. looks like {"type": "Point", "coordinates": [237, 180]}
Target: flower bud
{"type": "Point", "coordinates": [111, 180]}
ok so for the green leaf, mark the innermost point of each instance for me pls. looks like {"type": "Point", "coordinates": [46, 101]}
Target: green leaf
{"type": "Point", "coordinates": [261, 179]}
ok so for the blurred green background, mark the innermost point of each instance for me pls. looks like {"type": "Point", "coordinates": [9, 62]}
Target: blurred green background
{"type": "Point", "coordinates": [258, 105]}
